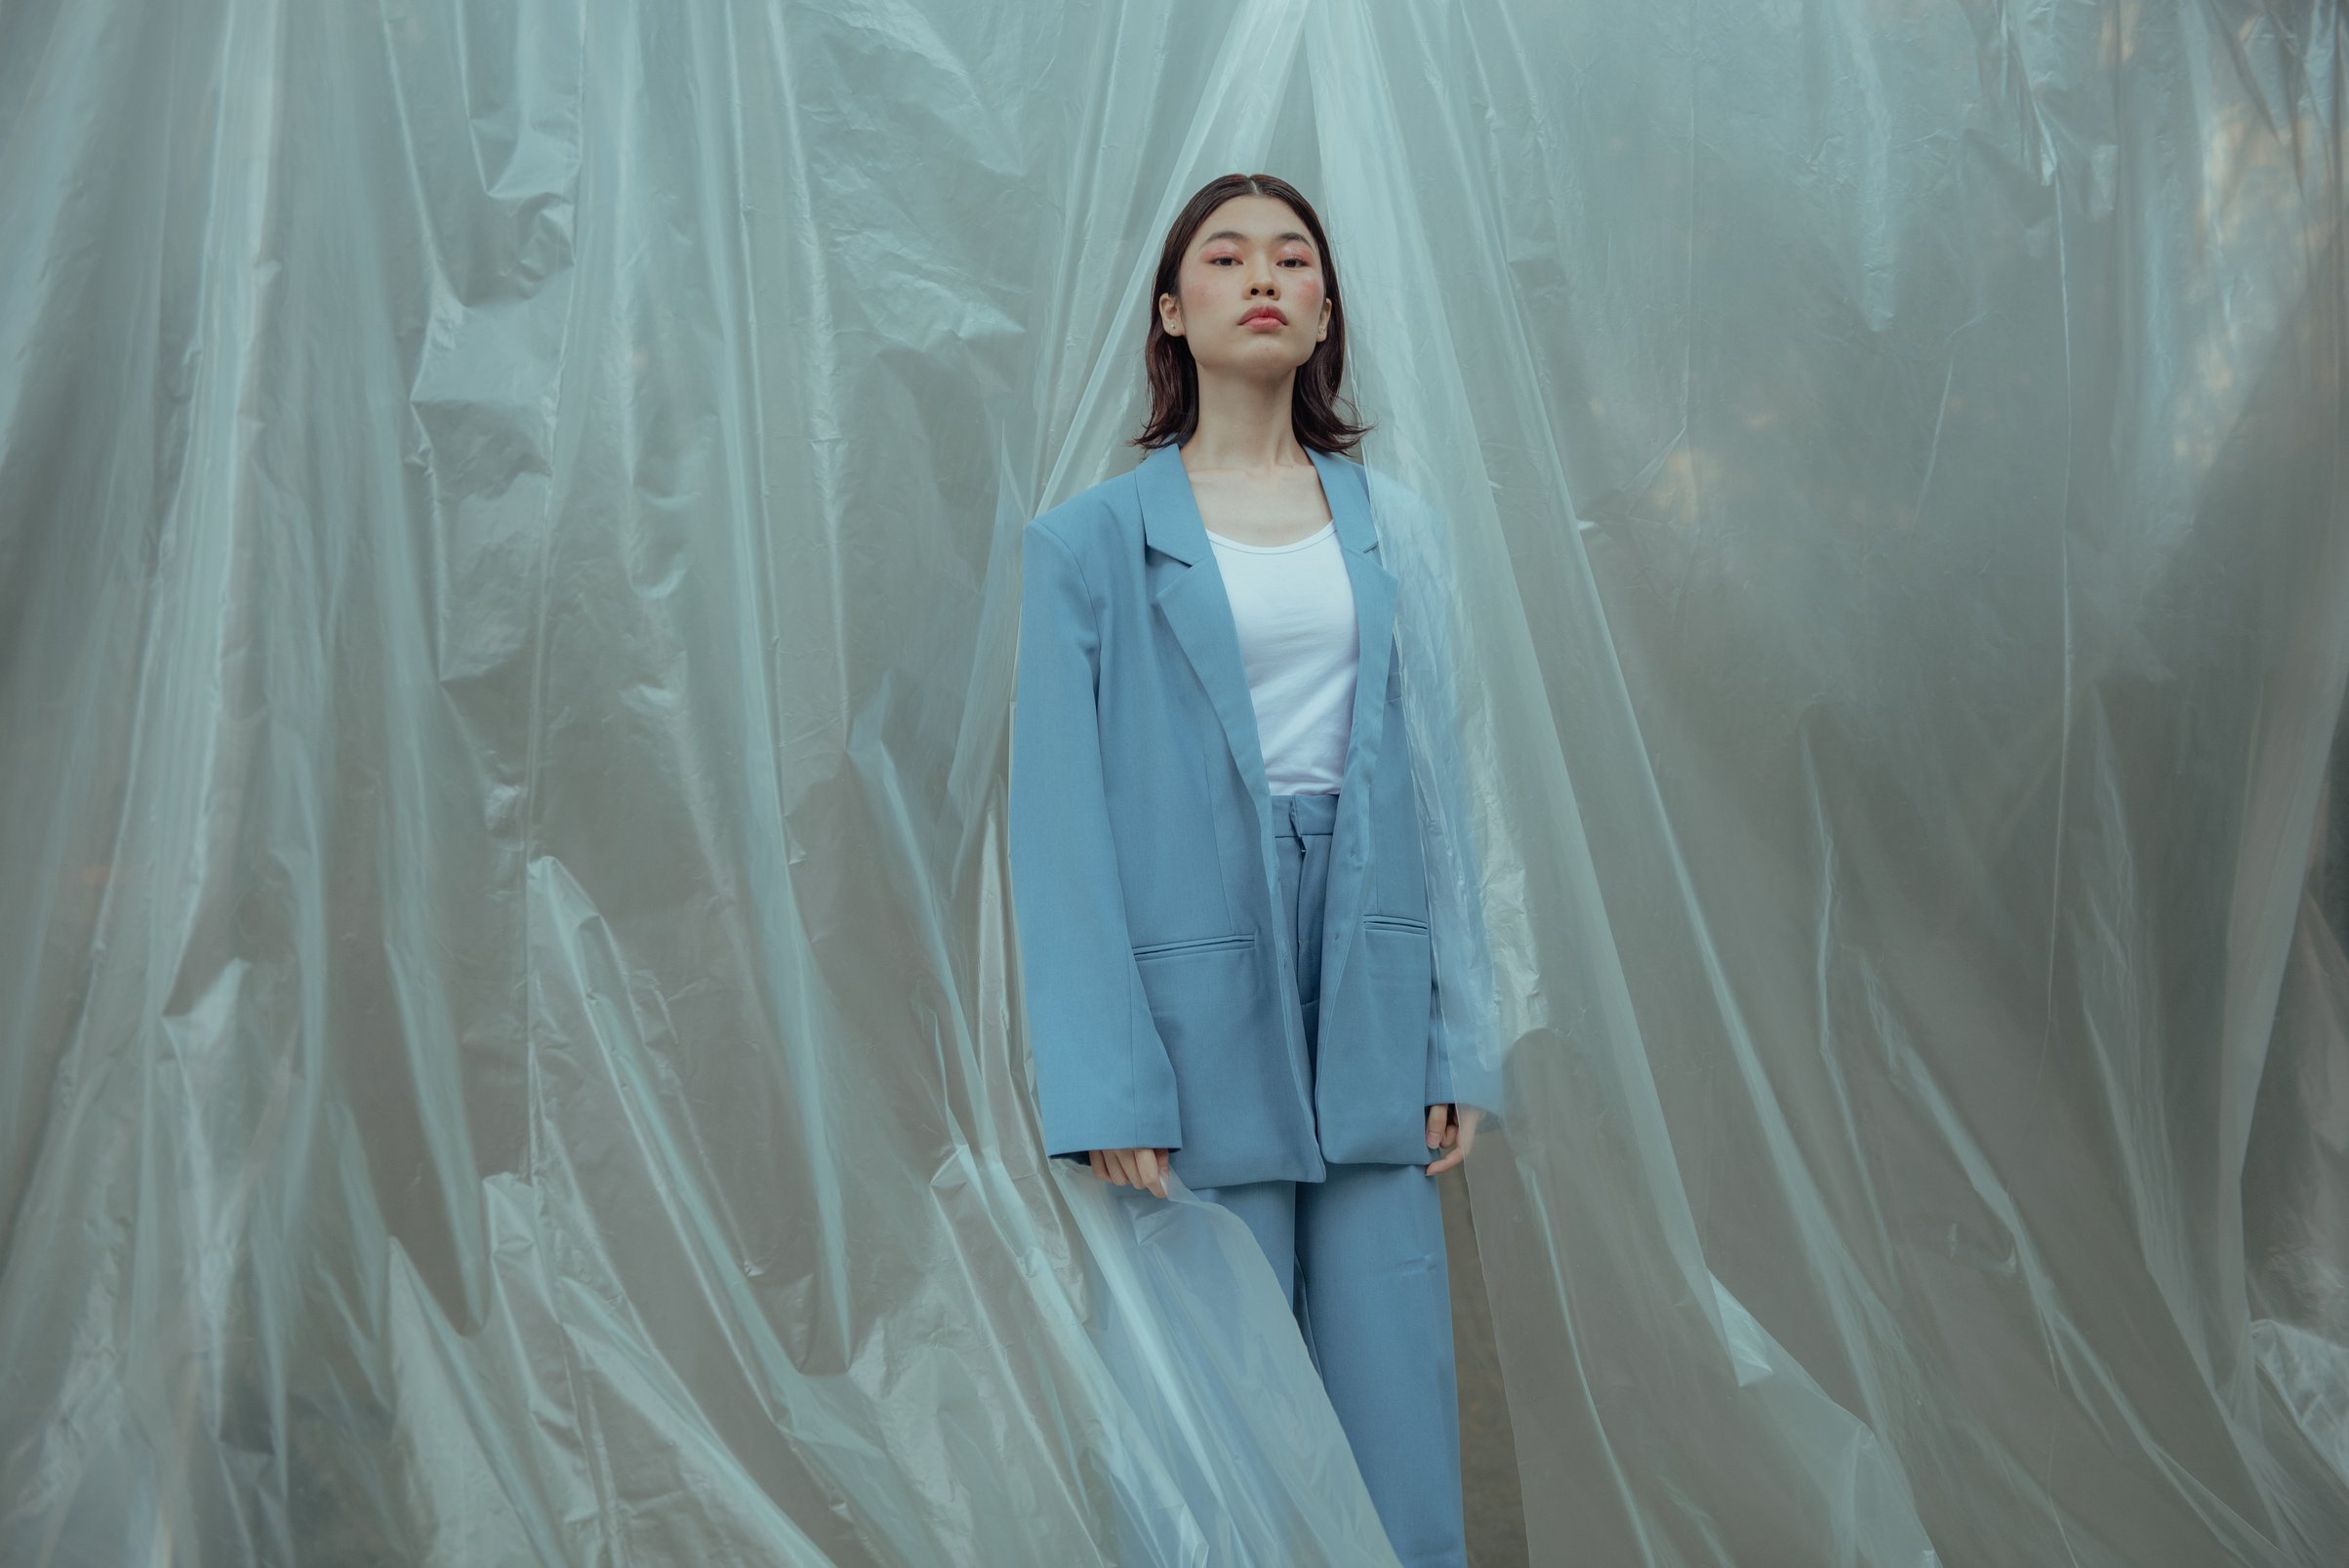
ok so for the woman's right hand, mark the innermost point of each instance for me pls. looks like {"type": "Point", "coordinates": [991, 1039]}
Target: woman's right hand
{"type": "Point", "coordinates": [1132, 1167]}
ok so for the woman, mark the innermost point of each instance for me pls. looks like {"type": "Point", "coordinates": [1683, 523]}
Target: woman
{"type": "Point", "coordinates": [1216, 853]}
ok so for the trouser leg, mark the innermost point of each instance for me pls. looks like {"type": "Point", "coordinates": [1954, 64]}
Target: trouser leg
{"type": "Point", "coordinates": [1378, 1314]}
{"type": "Point", "coordinates": [1270, 1211]}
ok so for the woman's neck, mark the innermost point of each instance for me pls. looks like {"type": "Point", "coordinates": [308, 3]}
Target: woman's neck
{"type": "Point", "coordinates": [1244, 425]}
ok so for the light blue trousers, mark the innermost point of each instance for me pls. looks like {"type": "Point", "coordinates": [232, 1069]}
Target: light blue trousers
{"type": "Point", "coordinates": [1361, 1258]}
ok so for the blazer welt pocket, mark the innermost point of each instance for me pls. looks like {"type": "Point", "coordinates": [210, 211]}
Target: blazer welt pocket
{"type": "Point", "coordinates": [1395, 922]}
{"type": "Point", "coordinates": [1160, 950]}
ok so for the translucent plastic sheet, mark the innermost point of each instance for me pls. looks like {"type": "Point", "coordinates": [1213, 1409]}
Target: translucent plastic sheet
{"type": "Point", "coordinates": [509, 518]}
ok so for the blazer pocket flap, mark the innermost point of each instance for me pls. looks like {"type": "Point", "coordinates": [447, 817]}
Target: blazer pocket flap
{"type": "Point", "coordinates": [1161, 950]}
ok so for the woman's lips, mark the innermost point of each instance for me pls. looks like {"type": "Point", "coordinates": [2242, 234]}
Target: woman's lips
{"type": "Point", "coordinates": [1263, 318]}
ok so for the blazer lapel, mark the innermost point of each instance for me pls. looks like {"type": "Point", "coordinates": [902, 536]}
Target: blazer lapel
{"type": "Point", "coordinates": [1374, 615]}
{"type": "Point", "coordinates": [1190, 593]}
{"type": "Point", "coordinates": [1374, 609]}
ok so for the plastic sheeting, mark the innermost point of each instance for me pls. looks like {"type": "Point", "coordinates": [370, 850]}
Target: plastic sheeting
{"type": "Point", "coordinates": [507, 578]}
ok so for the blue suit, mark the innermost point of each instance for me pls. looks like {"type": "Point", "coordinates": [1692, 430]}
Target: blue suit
{"type": "Point", "coordinates": [1162, 996]}
{"type": "Point", "coordinates": [1177, 921]}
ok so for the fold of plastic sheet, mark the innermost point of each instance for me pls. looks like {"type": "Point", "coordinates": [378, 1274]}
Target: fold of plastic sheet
{"type": "Point", "coordinates": [508, 579]}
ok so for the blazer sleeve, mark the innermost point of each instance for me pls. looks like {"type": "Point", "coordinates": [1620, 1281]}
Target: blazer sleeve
{"type": "Point", "coordinates": [1103, 1079]}
{"type": "Point", "coordinates": [1463, 1005]}
{"type": "Point", "coordinates": [1462, 1018]}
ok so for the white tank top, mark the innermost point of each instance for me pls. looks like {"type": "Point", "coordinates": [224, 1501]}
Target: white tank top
{"type": "Point", "coordinates": [1293, 605]}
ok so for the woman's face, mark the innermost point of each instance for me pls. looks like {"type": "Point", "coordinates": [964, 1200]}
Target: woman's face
{"type": "Point", "coordinates": [1252, 298]}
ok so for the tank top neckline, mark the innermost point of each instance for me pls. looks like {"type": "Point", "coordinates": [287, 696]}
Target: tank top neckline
{"type": "Point", "coordinates": [1313, 538]}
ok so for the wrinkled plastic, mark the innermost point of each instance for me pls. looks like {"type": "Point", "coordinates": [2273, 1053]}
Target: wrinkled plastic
{"type": "Point", "coordinates": [508, 579]}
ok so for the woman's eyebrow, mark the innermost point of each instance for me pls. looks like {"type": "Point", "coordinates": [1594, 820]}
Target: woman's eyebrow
{"type": "Point", "coordinates": [1236, 234]}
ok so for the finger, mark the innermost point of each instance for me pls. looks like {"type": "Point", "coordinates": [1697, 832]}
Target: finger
{"type": "Point", "coordinates": [1123, 1160]}
{"type": "Point", "coordinates": [1439, 1167]}
{"type": "Point", "coordinates": [1151, 1168]}
{"type": "Point", "coordinates": [1438, 1118]}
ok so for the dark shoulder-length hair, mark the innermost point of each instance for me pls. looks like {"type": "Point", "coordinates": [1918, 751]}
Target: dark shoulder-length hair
{"type": "Point", "coordinates": [1174, 379]}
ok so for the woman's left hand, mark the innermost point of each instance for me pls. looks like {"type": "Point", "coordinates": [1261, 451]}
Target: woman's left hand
{"type": "Point", "coordinates": [1455, 1133]}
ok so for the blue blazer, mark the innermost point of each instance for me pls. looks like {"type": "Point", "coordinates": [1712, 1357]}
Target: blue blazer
{"type": "Point", "coordinates": [1162, 1004]}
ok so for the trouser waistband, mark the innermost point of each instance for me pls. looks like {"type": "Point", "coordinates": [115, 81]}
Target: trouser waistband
{"type": "Point", "coordinates": [1302, 815]}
